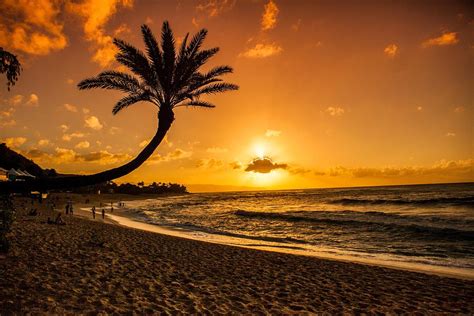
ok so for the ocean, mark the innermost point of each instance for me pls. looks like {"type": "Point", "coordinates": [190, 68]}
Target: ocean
{"type": "Point", "coordinates": [429, 225]}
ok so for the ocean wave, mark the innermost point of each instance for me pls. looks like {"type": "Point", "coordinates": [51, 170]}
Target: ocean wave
{"type": "Point", "coordinates": [366, 221]}
{"type": "Point", "coordinates": [459, 201]}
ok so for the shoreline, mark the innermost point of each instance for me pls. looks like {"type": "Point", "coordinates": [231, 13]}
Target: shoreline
{"type": "Point", "coordinates": [465, 274]}
{"type": "Point", "coordinates": [88, 266]}
{"type": "Point", "coordinates": [123, 218]}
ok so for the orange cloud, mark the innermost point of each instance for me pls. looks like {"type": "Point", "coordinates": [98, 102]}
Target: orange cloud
{"type": "Point", "coordinates": [64, 155]}
{"type": "Point", "coordinates": [93, 122]}
{"type": "Point", "coordinates": [335, 111]}
{"type": "Point", "coordinates": [6, 117]}
{"type": "Point", "coordinates": [82, 145]}
{"type": "Point", "coordinates": [391, 50]}
{"type": "Point", "coordinates": [272, 133]}
{"type": "Point", "coordinates": [263, 51]}
{"type": "Point", "coordinates": [96, 14]}
{"type": "Point", "coordinates": [443, 40]}
{"type": "Point", "coordinates": [269, 17]}
{"type": "Point", "coordinates": [213, 8]}
{"type": "Point", "coordinates": [68, 137]}
{"type": "Point", "coordinates": [70, 107]}
{"type": "Point", "coordinates": [211, 163]}
{"type": "Point", "coordinates": [31, 27]}
{"type": "Point", "coordinates": [443, 167]}
{"type": "Point", "coordinates": [14, 142]}
{"type": "Point", "coordinates": [43, 142]}
{"type": "Point", "coordinates": [173, 155]}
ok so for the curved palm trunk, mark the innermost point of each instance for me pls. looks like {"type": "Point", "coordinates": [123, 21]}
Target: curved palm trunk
{"type": "Point", "coordinates": [165, 119]}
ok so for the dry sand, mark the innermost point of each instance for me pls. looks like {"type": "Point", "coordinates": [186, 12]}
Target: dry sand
{"type": "Point", "coordinates": [90, 267]}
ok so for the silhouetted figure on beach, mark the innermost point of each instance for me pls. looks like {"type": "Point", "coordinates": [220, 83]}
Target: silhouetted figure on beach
{"type": "Point", "coordinates": [93, 212]}
{"type": "Point", "coordinates": [67, 208]}
{"type": "Point", "coordinates": [103, 213]}
{"type": "Point", "coordinates": [59, 220]}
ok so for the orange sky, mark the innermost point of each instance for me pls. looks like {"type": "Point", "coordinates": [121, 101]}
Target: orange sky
{"type": "Point", "coordinates": [335, 93]}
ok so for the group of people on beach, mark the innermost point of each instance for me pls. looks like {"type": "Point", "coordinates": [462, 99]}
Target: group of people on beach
{"type": "Point", "coordinates": [69, 210]}
{"type": "Point", "coordinates": [103, 209]}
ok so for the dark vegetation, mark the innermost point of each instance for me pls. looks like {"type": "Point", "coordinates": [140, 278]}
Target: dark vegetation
{"type": "Point", "coordinates": [135, 189]}
{"type": "Point", "coordinates": [11, 159]}
{"type": "Point", "coordinates": [10, 66]}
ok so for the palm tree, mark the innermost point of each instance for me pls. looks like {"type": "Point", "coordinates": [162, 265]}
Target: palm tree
{"type": "Point", "coordinates": [10, 66]}
{"type": "Point", "coordinates": [162, 76]}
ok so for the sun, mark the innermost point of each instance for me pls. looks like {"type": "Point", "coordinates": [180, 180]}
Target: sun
{"type": "Point", "coordinates": [259, 150]}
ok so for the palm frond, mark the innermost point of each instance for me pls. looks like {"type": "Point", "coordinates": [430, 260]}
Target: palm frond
{"type": "Point", "coordinates": [129, 100]}
{"type": "Point", "coordinates": [169, 56]}
{"type": "Point", "coordinates": [114, 80]}
{"type": "Point", "coordinates": [198, 103]}
{"type": "Point", "coordinates": [182, 61]}
{"type": "Point", "coordinates": [215, 88]}
{"type": "Point", "coordinates": [196, 42]}
{"type": "Point", "coordinates": [155, 55]}
{"type": "Point", "coordinates": [218, 71]}
{"type": "Point", "coordinates": [135, 60]}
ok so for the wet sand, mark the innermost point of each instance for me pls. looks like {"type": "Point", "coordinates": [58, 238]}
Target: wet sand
{"type": "Point", "coordinates": [93, 267]}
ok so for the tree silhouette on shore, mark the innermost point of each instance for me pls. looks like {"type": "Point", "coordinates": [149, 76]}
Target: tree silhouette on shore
{"type": "Point", "coordinates": [162, 76]}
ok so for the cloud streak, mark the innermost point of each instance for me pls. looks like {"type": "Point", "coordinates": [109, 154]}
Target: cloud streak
{"type": "Point", "coordinates": [445, 39]}
{"type": "Point", "coordinates": [263, 51]}
{"type": "Point", "coordinates": [64, 155]}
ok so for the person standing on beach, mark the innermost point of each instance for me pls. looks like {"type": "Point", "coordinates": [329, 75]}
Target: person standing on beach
{"type": "Point", "coordinates": [103, 213]}
{"type": "Point", "coordinates": [93, 212]}
{"type": "Point", "coordinates": [67, 208]}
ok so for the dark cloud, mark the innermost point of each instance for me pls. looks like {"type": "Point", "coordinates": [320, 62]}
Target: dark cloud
{"type": "Point", "coordinates": [264, 165]}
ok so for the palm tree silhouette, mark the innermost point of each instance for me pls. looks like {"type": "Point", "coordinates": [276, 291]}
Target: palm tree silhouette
{"type": "Point", "coordinates": [10, 66]}
{"type": "Point", "coordinates": [162, 76]}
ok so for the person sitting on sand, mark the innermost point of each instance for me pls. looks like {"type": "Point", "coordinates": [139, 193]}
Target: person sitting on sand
{"type": "Point", "coordinates": [59, 220]}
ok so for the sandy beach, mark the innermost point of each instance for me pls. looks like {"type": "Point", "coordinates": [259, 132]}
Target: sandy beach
{"type": "Point", "coordinates": [93, 267]}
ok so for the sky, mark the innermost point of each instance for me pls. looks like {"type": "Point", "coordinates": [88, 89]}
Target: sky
{"type": "Point", "coordinates": [332, 93]}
